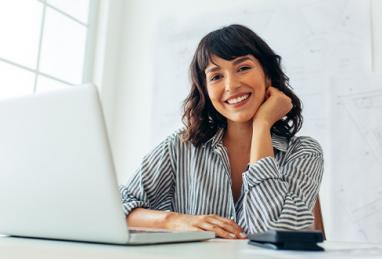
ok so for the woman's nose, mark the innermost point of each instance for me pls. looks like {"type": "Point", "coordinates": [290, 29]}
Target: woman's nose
{"type": "Point", "coordinates": [231, 83]}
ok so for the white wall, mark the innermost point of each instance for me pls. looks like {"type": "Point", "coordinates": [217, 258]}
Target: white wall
{"type": "Point", "coordinates": [377, 35]}
{"type": "Point", "coordinates": [123, 54]}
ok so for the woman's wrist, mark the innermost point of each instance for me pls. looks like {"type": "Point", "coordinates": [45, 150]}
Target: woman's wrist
{"type": "Point", "coordinates": [261, 144]}
{"type": "Point", "coordinates": [261, 124]}
{"type": "Point", "coordinates": [169, 219]}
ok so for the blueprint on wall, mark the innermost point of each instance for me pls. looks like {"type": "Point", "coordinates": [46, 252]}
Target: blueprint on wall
{"type": "Point", "coordinates": [356, 146]}
{"type": "Point", "coordinates": [316, 39]}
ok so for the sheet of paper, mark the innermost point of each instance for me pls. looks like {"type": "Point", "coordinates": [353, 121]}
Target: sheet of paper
{"type": "Point", "coordinates": [332, 250]}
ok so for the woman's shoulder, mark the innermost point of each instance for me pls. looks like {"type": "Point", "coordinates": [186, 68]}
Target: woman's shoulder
{"type": "Point", "coordinates": [169, 145]}
{"type": "Point", "coordinates": [305, 144]}
{"type": "Point", "coordinates": [175, 139]}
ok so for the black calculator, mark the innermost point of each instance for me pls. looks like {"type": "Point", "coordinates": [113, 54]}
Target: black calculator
{"type": "Point", "coordinates": [288, 240]}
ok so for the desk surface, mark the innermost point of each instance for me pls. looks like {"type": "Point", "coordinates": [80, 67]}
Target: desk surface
{"type": "Point", "coordinates": [217, 248]}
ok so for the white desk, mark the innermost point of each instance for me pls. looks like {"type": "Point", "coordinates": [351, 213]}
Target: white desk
{"type": "Point", "coordinates": [16, 248]}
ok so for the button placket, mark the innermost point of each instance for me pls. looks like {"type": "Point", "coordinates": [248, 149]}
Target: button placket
{"type": "Point", "coordinates": [223, 154]}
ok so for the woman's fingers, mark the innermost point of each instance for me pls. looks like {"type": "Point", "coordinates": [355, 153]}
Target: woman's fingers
{"type": "Point", "coordinates": [222, 227]}
{"type": "Point", "coordinates": [228, 225]}
{"type": "Point", "coordinates": [220, 232]}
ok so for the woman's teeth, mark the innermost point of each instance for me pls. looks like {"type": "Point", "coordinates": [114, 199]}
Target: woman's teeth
{"type": "Point", "coordinates": [238, 99]}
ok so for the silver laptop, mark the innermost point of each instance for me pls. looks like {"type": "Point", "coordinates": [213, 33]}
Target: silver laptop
{"type": "Point", "coordinates": [57, 178]}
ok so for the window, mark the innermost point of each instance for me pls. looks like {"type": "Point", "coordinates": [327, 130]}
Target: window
{"type": "Point", "coordinates": [45, 44]}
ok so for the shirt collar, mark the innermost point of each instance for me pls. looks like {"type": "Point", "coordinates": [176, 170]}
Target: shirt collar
{"type": "Point", "coordinates": [216, 139]}
{"type": "Point", "coordinates": [278, 142]}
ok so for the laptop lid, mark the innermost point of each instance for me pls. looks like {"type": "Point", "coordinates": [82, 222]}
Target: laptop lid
{"type": "Point", "coordinates": [55, 165]}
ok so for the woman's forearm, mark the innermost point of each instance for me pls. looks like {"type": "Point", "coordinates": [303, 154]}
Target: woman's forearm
{"type": "Point", "coordinates": [261, 143]}
{"type": "Point", "coordinates": [141, 217]}
{"type": "Point", "coordinates": [147, 218]}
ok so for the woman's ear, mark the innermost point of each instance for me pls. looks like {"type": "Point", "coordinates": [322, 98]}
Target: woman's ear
{"type": "Point", "coordinates": [268, 82]}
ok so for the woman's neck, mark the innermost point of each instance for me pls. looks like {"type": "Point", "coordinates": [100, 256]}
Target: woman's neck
{"type": "Point", "coordinates": [238, 134]}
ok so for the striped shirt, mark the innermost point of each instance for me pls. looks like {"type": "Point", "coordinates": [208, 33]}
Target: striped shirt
{"type": "Point", "coordinates": [277, 192]}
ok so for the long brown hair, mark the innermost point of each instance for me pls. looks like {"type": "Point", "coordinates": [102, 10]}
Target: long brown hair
{"type": "Point", "coordinates": [200, 117]}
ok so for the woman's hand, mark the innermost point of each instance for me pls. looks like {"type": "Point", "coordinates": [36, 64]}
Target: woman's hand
{"type": "Point", "coordinates": [222, 227]}
{"type": "Point", "coordinates": [275, 106]}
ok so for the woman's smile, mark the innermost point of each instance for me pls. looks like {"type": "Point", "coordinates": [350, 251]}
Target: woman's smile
{"type": "Point", "coordinates": [238, 100]}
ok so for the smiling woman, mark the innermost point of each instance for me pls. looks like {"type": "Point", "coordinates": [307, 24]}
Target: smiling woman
{"type": "Point", "coordinates": [237, 166]}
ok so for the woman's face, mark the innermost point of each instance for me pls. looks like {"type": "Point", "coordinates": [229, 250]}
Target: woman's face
{"type": "Point", "coordinates": [236, 87]}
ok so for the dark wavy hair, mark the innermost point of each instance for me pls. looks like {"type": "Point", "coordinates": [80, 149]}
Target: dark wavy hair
{"type": "Point", "coordinates": [201, 119]}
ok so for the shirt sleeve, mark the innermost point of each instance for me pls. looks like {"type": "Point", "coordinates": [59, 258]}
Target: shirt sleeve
{"type": "Point", "coordinates": [283, 197]}
{"type": "Point", "coordinates": [152, 185]}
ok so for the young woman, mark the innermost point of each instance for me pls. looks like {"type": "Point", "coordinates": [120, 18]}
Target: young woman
{"type": "Point", "coordinates": [237, 166]}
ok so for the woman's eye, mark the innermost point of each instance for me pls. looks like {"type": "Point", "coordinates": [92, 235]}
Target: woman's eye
{"type": "Point", "coordinates": [215, 77]}
{"type": "Point", "coordinates": [243, 68]}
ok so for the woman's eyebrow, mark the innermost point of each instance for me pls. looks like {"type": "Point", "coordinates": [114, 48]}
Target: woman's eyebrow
{"type": "Point", "coordinates": [212, 69]}
{"type": "Point", "coordinates": [239, 60]}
